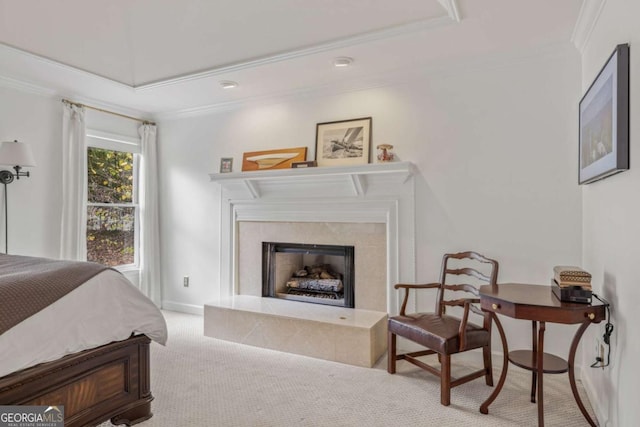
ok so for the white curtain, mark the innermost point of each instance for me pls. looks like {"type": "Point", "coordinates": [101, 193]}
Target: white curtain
{"type": "Point", "coordinates": [150, 227]}
{"type": "Point", "coordinates": [74, 184]}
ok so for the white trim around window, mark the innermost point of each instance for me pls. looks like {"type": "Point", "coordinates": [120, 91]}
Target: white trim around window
{"type": "Point", "coordinates": [115, 142]}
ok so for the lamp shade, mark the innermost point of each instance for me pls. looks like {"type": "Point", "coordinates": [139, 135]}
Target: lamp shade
{"type": "Point", "coordinates": [14, 153]}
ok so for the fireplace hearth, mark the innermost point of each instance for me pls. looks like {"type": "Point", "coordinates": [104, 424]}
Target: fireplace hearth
{"type": "Point", "coordinates": [319, 274]}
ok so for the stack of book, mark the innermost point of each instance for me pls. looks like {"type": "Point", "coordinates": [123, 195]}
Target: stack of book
{"type": "Point", "coordinates": [571, 284]}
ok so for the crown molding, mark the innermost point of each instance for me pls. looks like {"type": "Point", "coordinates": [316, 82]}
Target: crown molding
{"type": "Point", "coordinates": [388, 78]}
{"type": "Point", "coordinates": [23, 86]}
{"type": "Point", "coordinates": [587, 19]}
{"type": "Point", "coordinates": [26, 87]}
{"type": "Point", "coordinates": [310, 50]}
{"type": "Point", "coordinates": [398, 30]}
{"type": "Point", "coordinates": [67, 68]}
{"type": "Point", "coordinates": [380, 80]}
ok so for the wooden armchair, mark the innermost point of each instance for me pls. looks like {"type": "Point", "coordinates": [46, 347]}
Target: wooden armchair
{"type": "Point", "coordinates": [444, 334]}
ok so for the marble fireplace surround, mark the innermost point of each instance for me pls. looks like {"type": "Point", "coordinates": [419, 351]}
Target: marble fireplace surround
{"type": "Point", "coordinates": [364, 197]}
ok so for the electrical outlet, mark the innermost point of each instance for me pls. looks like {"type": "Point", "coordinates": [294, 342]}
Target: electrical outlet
{"type": "Point", "coordinates": [185, 281]}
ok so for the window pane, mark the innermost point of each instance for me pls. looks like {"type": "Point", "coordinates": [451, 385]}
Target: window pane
{"type": "Point", "coordinates": [110, 176]}
{"type": "Point", "coordinates": [111, 235]}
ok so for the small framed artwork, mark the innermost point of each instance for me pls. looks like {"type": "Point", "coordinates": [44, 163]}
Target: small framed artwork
{"type": "Point", "coordinates": [226, 164]}
{"type": "Point", "coordinates": [273, 159]}
{"type": "Point", "coordinates": [604, 121]}
{"type": "Point", "coordinates": [343, 143]}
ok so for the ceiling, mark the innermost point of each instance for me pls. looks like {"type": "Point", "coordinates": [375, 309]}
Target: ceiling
{"type": "Point", "coordinates": [169, 56]}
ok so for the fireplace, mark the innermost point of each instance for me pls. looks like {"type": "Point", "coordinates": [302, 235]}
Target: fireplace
{"type": "Point", "coordinates": [369, 207]}
{"type": "Point", "coordinates": [275, 205]}
{"type": "Point", "coordinates": [313, 273]}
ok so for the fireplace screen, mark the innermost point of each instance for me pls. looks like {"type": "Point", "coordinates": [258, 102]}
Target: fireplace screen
{"type": "Point", "coordinates": [321, 274]}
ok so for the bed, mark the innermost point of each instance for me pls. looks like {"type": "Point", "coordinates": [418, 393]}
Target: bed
{"type": "Point", "coordinates": [88, 350]}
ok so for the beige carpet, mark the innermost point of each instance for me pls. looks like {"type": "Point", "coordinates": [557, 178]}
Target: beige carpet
{"type": "Point", "coordinates": [200, 381]}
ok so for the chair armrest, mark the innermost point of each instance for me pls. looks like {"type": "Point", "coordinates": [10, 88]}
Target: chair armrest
{"type": "Point", "coordinates": [461, 302]}
{"type": "Point", "coordinates": [409, 287]}
{"type": "Point", "coordinates": [468, 306]}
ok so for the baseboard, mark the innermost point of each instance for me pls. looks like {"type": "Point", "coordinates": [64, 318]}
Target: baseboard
{"type": "Point", "coordinates": [592, 395]}
{"type": "Point", "coordinates": [183, 308]}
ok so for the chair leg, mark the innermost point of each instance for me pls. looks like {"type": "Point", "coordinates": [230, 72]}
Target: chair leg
{"type": "Point", "coordinates": [486, 354]}
{"type": "Point", "coordinates": [391, 353]}
{"type": "Point", "coordinates": [445, 380]}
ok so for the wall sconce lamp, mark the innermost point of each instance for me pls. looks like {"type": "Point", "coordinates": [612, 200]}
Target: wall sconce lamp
{"type": "Point", "coordinates": [18, 155]}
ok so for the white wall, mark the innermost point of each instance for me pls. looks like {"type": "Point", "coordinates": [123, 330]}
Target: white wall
{"type": "Point", "coordinates": [611, 232]}
{"type": "Point", "coordinates": [495, 148]}
{"type": "Point", "coordinates": [34, 202]}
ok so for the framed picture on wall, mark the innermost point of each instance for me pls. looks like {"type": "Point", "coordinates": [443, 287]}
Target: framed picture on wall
{"type": "Point", "coordinates": [604, 121]}
{"type": "Point", "coordinates": [343, 143]}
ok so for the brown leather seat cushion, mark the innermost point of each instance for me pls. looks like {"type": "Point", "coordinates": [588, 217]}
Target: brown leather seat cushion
{"type": "Point", "coordinates": [439, 333]}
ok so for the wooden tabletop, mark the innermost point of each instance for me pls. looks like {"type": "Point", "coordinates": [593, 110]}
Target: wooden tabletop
{"type": "Point", "coordinates": [536, 302]}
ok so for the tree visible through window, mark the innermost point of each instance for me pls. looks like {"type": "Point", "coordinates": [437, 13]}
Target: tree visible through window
{"type": "Point", "coordinates": [111, 207]}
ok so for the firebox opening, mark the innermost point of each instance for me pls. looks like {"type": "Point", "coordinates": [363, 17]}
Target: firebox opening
{"type": "Point", "coordinates": [320, 274]}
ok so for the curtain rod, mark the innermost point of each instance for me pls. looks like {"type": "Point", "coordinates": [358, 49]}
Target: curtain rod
{"type": "Point", "coordinates": [78, 104]}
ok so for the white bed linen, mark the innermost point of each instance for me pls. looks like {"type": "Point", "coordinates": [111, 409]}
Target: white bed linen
{"type": "Point", "coordinates": [106, 308]}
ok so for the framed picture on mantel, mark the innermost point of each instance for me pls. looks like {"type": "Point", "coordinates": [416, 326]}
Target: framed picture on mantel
{"type": "Point", "coordinates": [273, 159]}
{"type": "Point", "coordinates": [343, 143]}
{"type": "Point", "coordinates": [226, 164]}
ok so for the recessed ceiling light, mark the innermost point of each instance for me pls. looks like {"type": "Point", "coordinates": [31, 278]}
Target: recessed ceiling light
{"type": "Point", "coordinates": [228, 84]}
{"type": "Point", "coordinates": [342, 61]}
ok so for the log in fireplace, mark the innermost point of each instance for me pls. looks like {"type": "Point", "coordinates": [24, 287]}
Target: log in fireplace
{"type": "Point", "coordinates": [319, 274]}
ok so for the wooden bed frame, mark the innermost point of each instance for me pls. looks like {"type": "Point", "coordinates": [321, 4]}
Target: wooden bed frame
{"type": "Point", "coordinates": [108, 382]}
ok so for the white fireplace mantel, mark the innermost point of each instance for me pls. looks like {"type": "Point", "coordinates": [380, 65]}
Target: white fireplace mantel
{"type": "Point", "coordinates": [373, 193]}
{"type": "Point", "coordinates": [342, 181]}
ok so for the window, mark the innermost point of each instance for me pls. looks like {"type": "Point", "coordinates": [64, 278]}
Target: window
{"type": "Point", "coordinates": [112, 199]}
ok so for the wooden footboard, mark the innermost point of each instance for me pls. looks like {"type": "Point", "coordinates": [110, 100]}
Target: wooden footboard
{"type": "Point", "coordinates": [108, 382]}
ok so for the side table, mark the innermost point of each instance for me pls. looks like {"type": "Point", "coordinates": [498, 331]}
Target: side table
{"type": "Point", "coordinates": [538, 304]}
